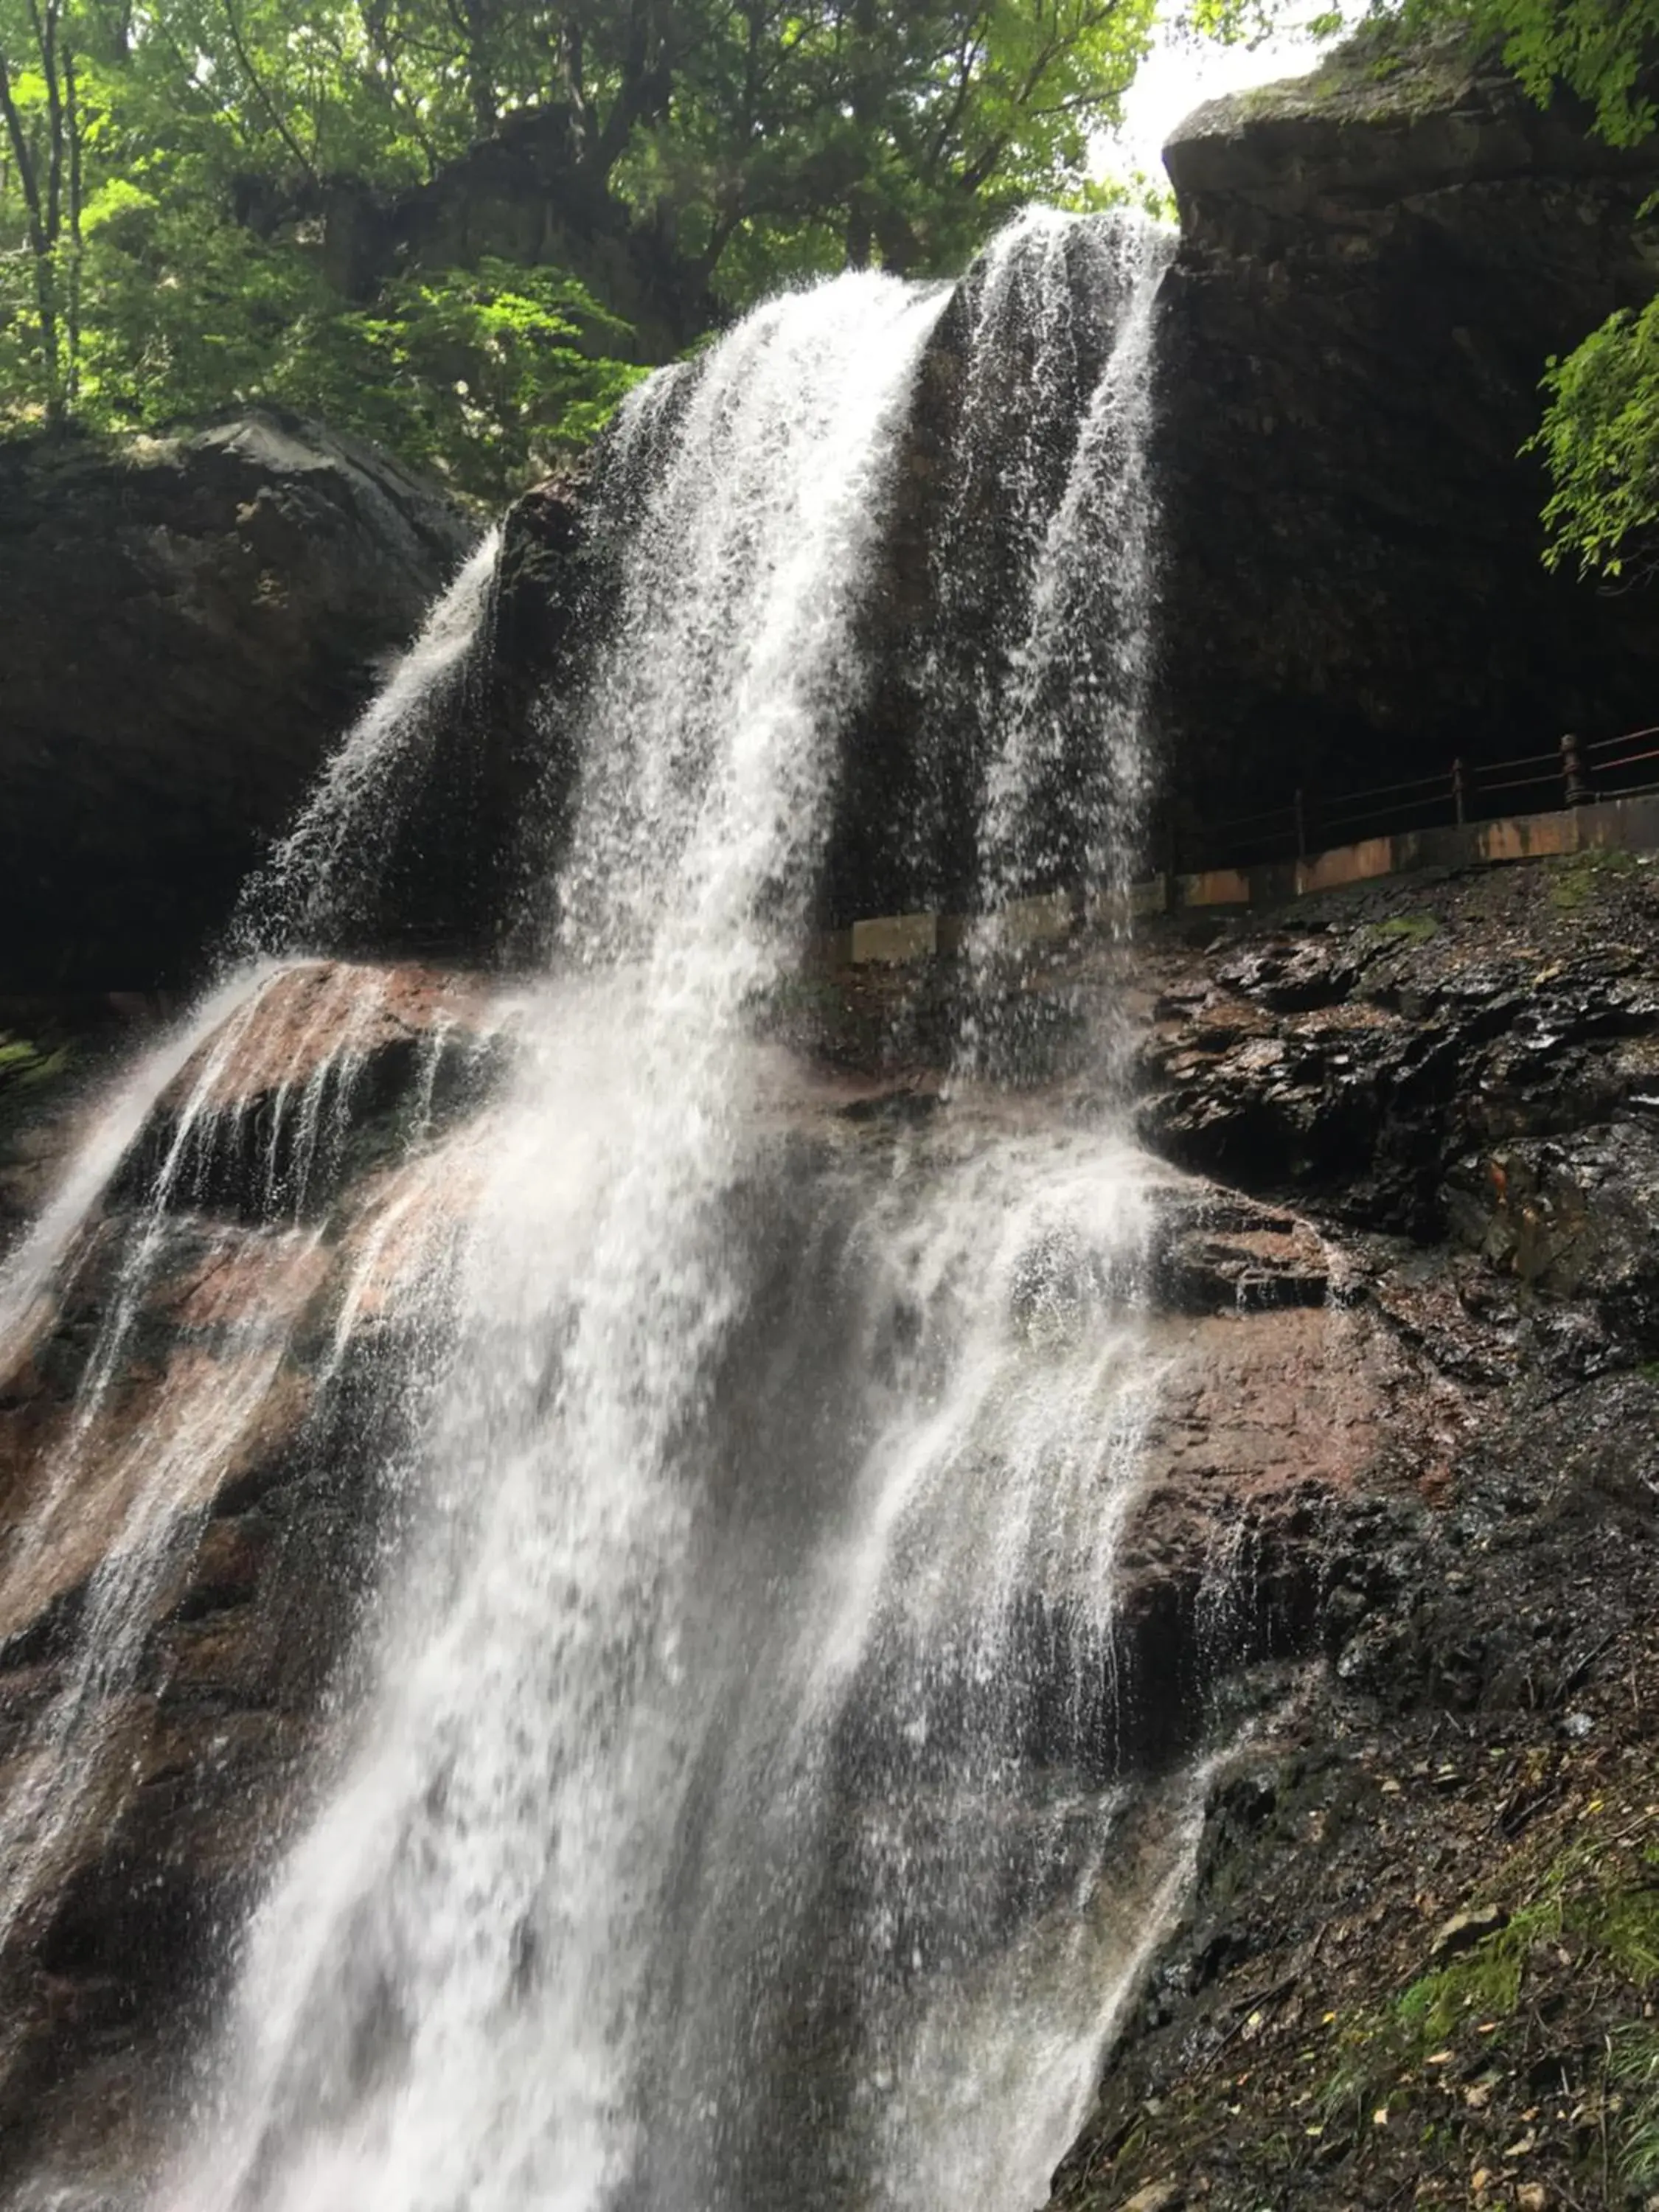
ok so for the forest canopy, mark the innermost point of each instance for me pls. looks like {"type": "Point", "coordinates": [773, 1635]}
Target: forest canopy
{"type": "Point", "coordinates": [462, 226]}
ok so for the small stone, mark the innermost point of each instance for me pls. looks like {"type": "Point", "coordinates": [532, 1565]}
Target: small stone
{"type": "Point", "coordinates": [1465, 1929]}
{"type": "Point", "coordinates": [1156, 2196]}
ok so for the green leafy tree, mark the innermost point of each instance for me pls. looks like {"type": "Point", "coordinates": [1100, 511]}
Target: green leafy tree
{"type": "Point", "coordinates": [1600, 438]}
{"type": "Point", "coordinates": [461, 224]}
{"type": "Point", "coordinates": [42, 109]}
{"type": "Point", "coordinates": [822, 136]}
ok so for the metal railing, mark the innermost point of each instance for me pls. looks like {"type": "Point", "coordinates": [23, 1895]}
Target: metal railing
{"type": "Point", "coordinates": [1575, 773]}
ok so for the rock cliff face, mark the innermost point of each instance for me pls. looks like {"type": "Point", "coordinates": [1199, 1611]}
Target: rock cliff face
{"type": "Point", "coordinates": [1376, 262]}
{"type": "Point", "coordinates": [186, 625]}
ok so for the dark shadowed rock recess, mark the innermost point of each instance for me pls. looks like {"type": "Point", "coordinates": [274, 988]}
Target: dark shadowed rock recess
{"type": "Point", "coordinates": [466, 873]}
{"type": "Point", "coordinates": [186, 625]}
{"type": "Point", "coordinates": [1376, 262]}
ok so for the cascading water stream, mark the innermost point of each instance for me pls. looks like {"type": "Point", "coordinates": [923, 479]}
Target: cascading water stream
{"type": "Point", "coordinates": [1045, 575]}
{"type": "Point", "coordinates": [121, 1506]}
{"type": "Point", "coordinates": [1069, 740]}
{"type": "Point", "coordinates": [134, 1472]}
{"type": "Point", "coordinates": [733, 1818]}
{"type": "Point", "coordinates": [495, 1861]}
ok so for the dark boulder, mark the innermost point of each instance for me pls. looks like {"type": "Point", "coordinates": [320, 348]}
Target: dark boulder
{"type": "Point", "coordinates": [186, 625]}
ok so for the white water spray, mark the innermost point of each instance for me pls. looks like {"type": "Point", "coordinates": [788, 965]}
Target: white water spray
{"type": "Point", "coordinates": [718, 1767]}
{"type": "Point", "coordinates": [1067, 782]}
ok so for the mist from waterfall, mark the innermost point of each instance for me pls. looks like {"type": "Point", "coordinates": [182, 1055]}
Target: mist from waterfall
{"type": "Point", "coordinates": [733, 1817]}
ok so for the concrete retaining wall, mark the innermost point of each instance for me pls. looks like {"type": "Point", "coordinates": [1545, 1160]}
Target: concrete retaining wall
{"type": "Point", "coordinates": [1629, 825]}
{"type": "Point", "coordinates": [1612, 825]}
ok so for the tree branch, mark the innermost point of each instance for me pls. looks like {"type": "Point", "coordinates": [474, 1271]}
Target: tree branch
{"type": "Point", "coordinates": [265, 98]}
{"type": "Point", "coordinates": [23, 157]}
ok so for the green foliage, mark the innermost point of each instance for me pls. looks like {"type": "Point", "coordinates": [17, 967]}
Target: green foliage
{"type": "Point", "coordinates": [1404, 929]}
{"type": "Point", "coordinates": [1600, 440]}
{"type": "Point", "coordinates": [1582, 878]}
{"type": "Point", "coordinates": [205, 201]}
{"type": "Point", "coordinates": [1485, 1982]}
{"type": "Point", "coordinates": [806, 137]}
{"type": "Point", "coordinates": [181, 262]}
{"type": "Point", "coordinates": [25, 1064]}
{"type": "Point", "coordinates": [489, 373]}
{"type": "Point", "coordinates": [1600, 52]}
{"type": "Point", "coordinates": [1634, 2064]}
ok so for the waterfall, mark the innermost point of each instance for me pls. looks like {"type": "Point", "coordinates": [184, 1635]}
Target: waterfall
{"type": "Point", "coordinates": [319, 883]}
{"type": "Point", "coordinates": [1044, 575]}
{"type": "Point", "coordinates": [731, 1814]}
{"type": "Point", "coordinates": [1067, 782]}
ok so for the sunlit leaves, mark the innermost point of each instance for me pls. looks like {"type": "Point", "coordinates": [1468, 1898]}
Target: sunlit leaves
{"type": "Point", "coordinates": [1600, 440]}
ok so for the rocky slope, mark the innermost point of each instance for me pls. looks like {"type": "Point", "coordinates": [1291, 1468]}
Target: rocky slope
{"type": "Point", "coordinates": [1376, 262]}
{"type": "Point", "coordinates": [1418, 1964]}
{"type": "Point", "coordinates": [186, 625]}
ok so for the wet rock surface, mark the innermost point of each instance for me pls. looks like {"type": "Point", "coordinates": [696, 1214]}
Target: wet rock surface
{"type": "Point", "coordinates": [1390, 1558]}
{"type": "Point", "coordinates": [186, 624]}
{"type": "Point", "coordinates": [191, 1523]}
{"type": "Point", "coordinates": [1441, 1058]}
{"type": "Point", "coordinates": [1449, 1723]}
{"type": "Point", "coordinates": [309, 1088]}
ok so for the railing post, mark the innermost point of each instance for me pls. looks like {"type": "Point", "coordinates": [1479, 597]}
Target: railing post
{"type": "Point", "coordinates": [1300, 824]}
{"type": "Point", "coordinates": [1460, 792]}
{"type": "Point", "coordinates": [1172, 853]}
{"type": "Point", "coordinates": [1572, 769]}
